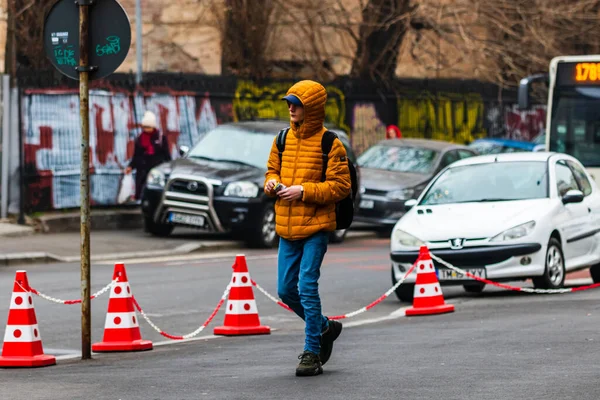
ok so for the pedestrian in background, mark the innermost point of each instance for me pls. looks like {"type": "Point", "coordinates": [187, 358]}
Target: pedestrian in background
{"type": "Point", "coordinates": [305, 215]}
{"type": "Point", "coordinates": [151, 149]}
{"type": "Point", "coordinates": [393, 132]}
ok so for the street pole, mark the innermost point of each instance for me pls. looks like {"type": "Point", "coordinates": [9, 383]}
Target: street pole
{"type": "Point", "coordinates": [138, 40]}
{"type": "Point", "coordinates": [84, 106]}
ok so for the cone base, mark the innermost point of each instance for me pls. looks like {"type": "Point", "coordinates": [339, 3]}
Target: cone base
{"type": "Point", "coordinates": [136, 345]}
{"type": "Point", "coordinates": [43, 360]}
{"type": "Point", "coordinates": [242, 330]}
{"type": "Point", "coordinates": [444, 308]}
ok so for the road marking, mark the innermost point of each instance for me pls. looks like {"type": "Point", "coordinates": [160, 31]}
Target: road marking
{"type": "Point", "coordinates": [399, 313]}
{"type": "Point", "coordinates": [168, 342]}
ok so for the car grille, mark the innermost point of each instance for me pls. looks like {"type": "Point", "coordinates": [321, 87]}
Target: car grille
{"type": "Point", "coordinates": [182, 186]}
{"type": "Point", "coordinates": [376, 192]}
{"type": "Point", "coordinates": [189, 195]}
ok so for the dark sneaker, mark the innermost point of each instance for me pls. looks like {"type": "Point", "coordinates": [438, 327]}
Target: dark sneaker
{"type": "Point", "coordinates": [310, 364]}
{"type": "Point", "coordinates": [334, 329]}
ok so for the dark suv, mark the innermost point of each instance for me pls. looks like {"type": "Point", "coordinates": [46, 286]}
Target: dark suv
{"type": "Point", "coordinates": [217, 186]}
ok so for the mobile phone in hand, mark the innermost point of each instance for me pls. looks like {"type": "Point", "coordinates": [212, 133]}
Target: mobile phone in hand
{"type": "Point", "coordinates": [279, 187]}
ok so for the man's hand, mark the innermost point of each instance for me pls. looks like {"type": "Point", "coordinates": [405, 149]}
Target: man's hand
{"type": "Point", "coordinates": [270, 185]}
{"type": "Point", "coordinates": [291, 193]}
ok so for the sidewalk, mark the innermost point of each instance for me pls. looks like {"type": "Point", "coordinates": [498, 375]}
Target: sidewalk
{"type": "Point", "coordinates": [65, 247]}
{"type": "Point", "coordinates": [118, 244]}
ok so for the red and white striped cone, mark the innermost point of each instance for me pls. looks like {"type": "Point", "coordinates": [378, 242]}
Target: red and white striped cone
{"type": "Point", "coordinates": [22, 340]}
{"type": "Point", "coordinates": [428, 297]}
{"type": "Point", "coordinates": [121, 329]}
{"type": "Point", "coordinates": [241, 314]}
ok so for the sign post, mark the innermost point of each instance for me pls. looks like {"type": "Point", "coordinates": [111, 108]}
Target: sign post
{"type": "Point", "coordinates": [84, 114]}
{"type": "Point", "coordinates": [86, 40]}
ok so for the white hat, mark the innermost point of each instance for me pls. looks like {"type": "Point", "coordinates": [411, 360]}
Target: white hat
{"type": "Point", "coordinates": [149, 119]}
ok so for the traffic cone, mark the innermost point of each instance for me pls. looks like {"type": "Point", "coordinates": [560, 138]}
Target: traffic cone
{"type": "Point", "coordinates": [121, 329]}
{"type": "Point", "coordinates": [22, 340]}
{"type": "Point", "coordinates": [428, 297]}
{"type": "Point", "coordinates": [241, 314]}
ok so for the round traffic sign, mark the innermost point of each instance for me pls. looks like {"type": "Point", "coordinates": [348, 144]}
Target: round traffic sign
{"type": "Point", "coordinates": [109, 37]}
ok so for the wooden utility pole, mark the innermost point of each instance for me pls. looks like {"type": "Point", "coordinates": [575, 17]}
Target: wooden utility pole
{"type": "Point", "coordinates": [84, 113]}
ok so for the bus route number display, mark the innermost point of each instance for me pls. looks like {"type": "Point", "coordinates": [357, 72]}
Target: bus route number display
{"type": "Point", "coordinates": [581, 73]}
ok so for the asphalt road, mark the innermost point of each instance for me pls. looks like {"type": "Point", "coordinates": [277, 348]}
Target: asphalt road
{"type": "Point", "coordinates": [497, 345]}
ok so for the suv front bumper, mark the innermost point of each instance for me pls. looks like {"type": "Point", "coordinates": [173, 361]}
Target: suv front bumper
{"type": "Point", "coordinates": [221, 214]}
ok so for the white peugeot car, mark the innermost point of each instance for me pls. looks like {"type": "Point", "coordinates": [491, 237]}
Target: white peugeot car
{"type": "Point", "coordinates": [504, 217]}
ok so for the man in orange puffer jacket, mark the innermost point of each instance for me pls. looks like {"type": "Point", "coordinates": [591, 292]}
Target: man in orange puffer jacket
{"type": "Point", "coordinates": [305, 214]}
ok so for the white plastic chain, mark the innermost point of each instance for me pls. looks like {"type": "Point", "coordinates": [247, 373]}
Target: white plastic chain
{"type": "Point", "coordinates": [189, 335]}
{"type": "Point", "coordinates": [69, 302]}
{"type": "Point", "coordinates": [521, 289]}
{"type": "Point", "coordinates": [353, 313]}
{"type": "Point", "coordinates": [269, 296]}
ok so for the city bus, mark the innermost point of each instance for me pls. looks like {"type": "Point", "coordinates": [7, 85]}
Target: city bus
{"type": "Point", "coordinates": [573, 108]}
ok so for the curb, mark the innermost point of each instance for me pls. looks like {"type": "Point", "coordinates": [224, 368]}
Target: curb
{"type": "Point", "coordinates": [15, 259]}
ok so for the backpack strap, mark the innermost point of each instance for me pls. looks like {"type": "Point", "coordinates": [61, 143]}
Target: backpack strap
{"type": "Point", "coordinates": [281, 136]}
{"type": "Point", "coordinates": [326, 145]}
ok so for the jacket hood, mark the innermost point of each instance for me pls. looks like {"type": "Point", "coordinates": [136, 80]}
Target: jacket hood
{"type": "Point", "coordinates": [313, 96]}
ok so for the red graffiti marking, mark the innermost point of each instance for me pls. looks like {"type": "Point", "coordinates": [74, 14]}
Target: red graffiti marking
{"type": "Point", "coordinates": [172, 136]}
{"type": "Point", "coordinates": [525, 125]}
{"type": "Point", "coordinates": [31, 149]}
{"type": "Point", "coordinates": [105, 139]}
{"type": "Point", "coordinates": [39, 189]}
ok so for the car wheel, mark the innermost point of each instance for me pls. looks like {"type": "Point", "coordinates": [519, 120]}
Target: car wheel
{"type": "Point", "coordinates": [554, 273]}
{"type": "Point", "coordinates": [264, 235]}
{"type": "Point", "coordinates": [338, 236]}
{"type": "Point", "coordinates": [404, 292]}
{"type": "Point", "coordinates": [474, 287]}
{"type": "Point", "coordinates": [160, 230]}
{"type": "Point", "coordinates": [595, 273]}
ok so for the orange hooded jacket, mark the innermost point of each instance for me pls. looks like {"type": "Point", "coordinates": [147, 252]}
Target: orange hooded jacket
{"type": "Point", "coordinates": [302, 163]}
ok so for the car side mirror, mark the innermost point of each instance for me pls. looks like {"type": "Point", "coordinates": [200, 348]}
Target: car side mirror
{"type": "Point", "coordinates": [410, 204]}
{"type": "Point", "coordinates": [183, 150]}
{"type": "Point", "coordinates": [572, 196]}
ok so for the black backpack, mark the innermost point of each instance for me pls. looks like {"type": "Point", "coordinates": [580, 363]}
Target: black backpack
{"type": "Point", "coordinates": [344, 209]}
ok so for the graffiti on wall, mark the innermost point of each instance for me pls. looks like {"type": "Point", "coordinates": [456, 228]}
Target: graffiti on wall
{"type": "Point", "coordinates": [451, 117]}
{"type": "Point", "coordinates": [52, 140]}
{"type": "Point", "coordinates": [52, 129]}
{"type": "Point", "coordinates": [507, 121]}
{"type": "Point", "coordinates": [525, 125]}
{"type": "Point", "coordinates": [253, 101]}
{"type": "Point", "coordinates": [367, 127]}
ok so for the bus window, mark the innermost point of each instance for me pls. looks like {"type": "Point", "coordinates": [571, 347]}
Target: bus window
{"type": "Point", "coordinates": [575, 123]}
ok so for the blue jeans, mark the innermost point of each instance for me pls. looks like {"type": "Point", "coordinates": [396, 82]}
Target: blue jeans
{"type": "Point", "coordinates": [298, 270]}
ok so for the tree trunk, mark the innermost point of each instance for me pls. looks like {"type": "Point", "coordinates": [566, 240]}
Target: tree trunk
{"type": "Point", "coordinates": [24, 39]}
{"type": "Point", "coordinates": [246, 34]}
{"type": "Point", "coordinates": [384, 26]}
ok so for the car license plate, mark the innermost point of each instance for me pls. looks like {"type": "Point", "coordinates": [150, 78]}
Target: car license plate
{"type": "Point", "coordinates": [196, 220]}
{"type": "Point", "coordinates": [367, 204]}
{"type": "Point", "coordinates": [450, 275]}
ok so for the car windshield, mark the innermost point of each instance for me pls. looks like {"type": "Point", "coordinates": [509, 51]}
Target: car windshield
{"type": "Point", "coordinates": [227, 143]}
{"type": "Point", "coordinates": [499, 181]}
{"type": "Point", "coordinates": [484, 148]}
{"type": "Point", "coordinates": [399, 159]}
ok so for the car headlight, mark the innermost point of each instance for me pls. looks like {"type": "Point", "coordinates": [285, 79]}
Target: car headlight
{"type": "Point", "coordinates": [517, 232]}
{"type": "Point", "coordinates": [241, 189]}
{"type": "Point", "coordinates": [406, 239]}
{"type": "Point", "coordinates": [403, 194]}
{"type": "Point", "coordinates": [156, 178]}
